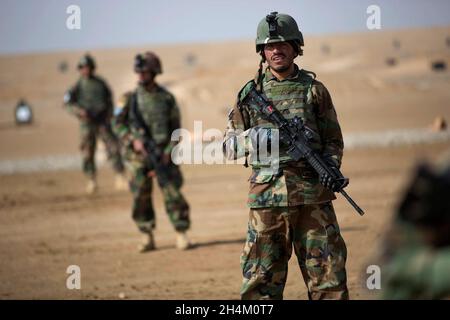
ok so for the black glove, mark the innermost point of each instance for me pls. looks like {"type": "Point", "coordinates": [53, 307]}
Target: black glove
{"type": "Point", "coordinates": [336, 181]}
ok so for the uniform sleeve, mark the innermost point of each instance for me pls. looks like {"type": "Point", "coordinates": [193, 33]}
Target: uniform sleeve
{"type": "Point", "coordinates": [236, 142]}
{"type": "Point", "coordinates": [71, 100]}
{"type": "Point", "coordinates": [175, 123]}
{"type": "Point", "coordinates": [328, 125]}
{"type": "Point", "coordinates": [109, 99]}
{"type": "Point", "coordinates": [135, 132]}
{"type": "Point", "coordinates": [120, 123]}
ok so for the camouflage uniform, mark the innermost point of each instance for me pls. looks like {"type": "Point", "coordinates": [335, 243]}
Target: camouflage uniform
{"type": "Point", "coordinates": [94, 96]}
{"type": "Point", "coordinates": [161, 115]}
{"type": "Point", "coordinates": [415, 270]}
{"type": "Point", "coordinates": [291, 206]}
{"type": "Point", "coordinates": [416, 254]}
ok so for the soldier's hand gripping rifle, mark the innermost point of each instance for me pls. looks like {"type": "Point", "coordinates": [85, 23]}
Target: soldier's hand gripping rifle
{"type": "Point", "coordinates": [295, 135]}
{"type": "Point", "coordinates": [154, 154]}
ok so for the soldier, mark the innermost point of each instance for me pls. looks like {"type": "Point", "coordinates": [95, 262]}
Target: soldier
{"type": "Point", "coordinates": [152, 110]}
{"type": "Point", "coordinates": [289, 207]}
{"type": "Point", "coordinates": [416, 254]}
{"type": "Point", "coordinates": [91, 101]}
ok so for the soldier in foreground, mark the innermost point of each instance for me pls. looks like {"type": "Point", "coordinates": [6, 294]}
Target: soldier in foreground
{"type": "Point", "coordinates": [91, 101]}
{"type": "Point", "coordinates": [289, 208]}
{"type": "Point", "coordinates": [416, 254]}
{"type": "Point", "coordinates": [145, 124]}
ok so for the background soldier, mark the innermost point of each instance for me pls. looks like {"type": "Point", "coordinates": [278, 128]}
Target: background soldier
{"type": "Point", "coordinates": [157, 109]}
{"type": "Point", "coordinates": [289, 208]}
{"type": "Point", "coordinates": [91, 101]}
{"type": "Point", "coordinates": [416, 254]}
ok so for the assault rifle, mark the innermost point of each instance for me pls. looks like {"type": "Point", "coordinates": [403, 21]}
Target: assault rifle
{"type": "Point", "coordinates": [295, 136]}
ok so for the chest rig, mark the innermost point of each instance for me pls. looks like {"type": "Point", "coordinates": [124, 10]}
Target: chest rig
{"type": "Point", "coordinates": [155, 108]}
{"type": "Point", "coordinates": [91, 95]}
{"type": "Point", "coordinates": [293, 98]}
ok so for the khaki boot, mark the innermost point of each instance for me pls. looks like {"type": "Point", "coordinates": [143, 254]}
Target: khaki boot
{"type": "Point", "coordinates": [148, 243]}
{"type": "Point", "coordinates": [121, 182]}
{"type": "Point", "coordinates": [183, 242]}
{"type": "Point", "coordinates": [91, 186]}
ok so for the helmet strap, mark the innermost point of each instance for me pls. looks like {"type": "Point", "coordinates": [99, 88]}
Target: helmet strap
{"type": "Point", "coordinates": [259, 77]}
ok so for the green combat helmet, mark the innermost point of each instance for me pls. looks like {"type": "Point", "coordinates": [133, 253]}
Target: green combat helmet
{"type": "Point", "coordinates": [86, 60]}
{"type": "Point", "coordinates": [278, 27]}
{"type": "Point", "coordinates": [147, 62]}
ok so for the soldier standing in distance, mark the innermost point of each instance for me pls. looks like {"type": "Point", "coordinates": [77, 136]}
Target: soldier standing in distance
{"type": "Point", "coordinates": [158, 110]}
{"type": "Point", "coordinates": [91, 101]}
{"type": "Point", "coordinates": [291, 207]}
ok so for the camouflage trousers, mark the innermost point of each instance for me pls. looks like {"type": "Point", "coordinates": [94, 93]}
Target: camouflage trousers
{"type": "Point", "coordinates": [89, 132]}
{"type": "Point", "coordinates": [141, 186]}
{"type": "Point", "coordinates": [321, 253]}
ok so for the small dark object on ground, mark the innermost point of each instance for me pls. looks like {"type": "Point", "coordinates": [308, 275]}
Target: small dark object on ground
{"type": "Point", "coordinates": [190, 59]}
{"type": "Point", "coordinates": [325, 49]}
{"type": "Point", "coordinates": [391, 61]}
{"type": "Point", "coordinates": [63, 66]}
{"type": "Point", "coordinates": [438, 65]}
{"type": "Point", "coordinates": [396, 44]}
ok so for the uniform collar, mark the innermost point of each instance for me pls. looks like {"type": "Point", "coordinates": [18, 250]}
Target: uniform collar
{"type": "Point", "coordinates": [154, 88]}
{"type": "Point", "coordinates": [91, 77]}
{"type": "Point", "coordinates": [269, 75]}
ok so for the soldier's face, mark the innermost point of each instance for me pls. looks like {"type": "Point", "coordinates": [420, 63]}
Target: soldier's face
{"type": "Point", "coordinates": [145, 77]}
{"type": "Point", "coordinates": [85, 71]}
{"type": "Point", "coordinates": [280, 55]}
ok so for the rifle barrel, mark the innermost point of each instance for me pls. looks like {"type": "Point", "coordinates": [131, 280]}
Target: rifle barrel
{"type": "Point", "coordinates": [353, 203]}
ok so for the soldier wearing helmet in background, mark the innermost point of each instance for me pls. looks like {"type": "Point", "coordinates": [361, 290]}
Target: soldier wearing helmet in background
{"type": "Point", "coordinates": [91, 101]}
{"type": "Point", "coordinates": [158, 115]}
{"type": "Point", "coordinates": [290, 208]}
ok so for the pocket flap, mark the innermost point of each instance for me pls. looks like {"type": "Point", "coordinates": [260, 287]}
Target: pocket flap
{"type": "Point", "coordinates": [261, 176]}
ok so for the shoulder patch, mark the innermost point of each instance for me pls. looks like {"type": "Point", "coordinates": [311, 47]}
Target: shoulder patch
{"type": "Point", "coordinates": [309, 73]}
{"type": "Point", "coordinates": [167, 94]}
{"type": "Point", "coordinates": [123, 100]}
{"type": "Point", "coordinates": [245, 90]}
{"type": "Point", "coordinates": [99, 79]}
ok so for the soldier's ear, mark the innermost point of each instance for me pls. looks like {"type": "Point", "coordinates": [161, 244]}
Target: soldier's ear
{"type": "Point", "coordinates": [297, 49]}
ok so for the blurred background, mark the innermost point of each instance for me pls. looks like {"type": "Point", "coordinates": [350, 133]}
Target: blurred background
{"type": "Point", "coordinates": [389, 87]}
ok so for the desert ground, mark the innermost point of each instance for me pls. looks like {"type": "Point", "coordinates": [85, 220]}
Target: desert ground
{"type": "Point", "coordinates": [47, 222]}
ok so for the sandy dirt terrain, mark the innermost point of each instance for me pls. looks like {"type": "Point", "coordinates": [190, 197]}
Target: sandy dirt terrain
{"type": "Point", "coordinates": [47, 222]}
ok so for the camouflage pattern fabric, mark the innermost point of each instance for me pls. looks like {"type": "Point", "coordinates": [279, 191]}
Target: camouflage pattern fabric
{"type": "Point", "coordinates": [302, 96]}
{"type": "Point", "coordinates": [413, 269]}
{"type": "Point", "coordinates": [89, 132]}
{"type": "Point", "coordinates": [290, 207]}
{"type": "Point", "coordinates": [94, 96]}
{"type": "Point", "coordinates": [321, 252]}
{"type": "Point", "coordinates": [141, 186]}
{"type": "Point", "coordinates": [415, 256]}
{"type": "Point", "coordinates": [160, 111]}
